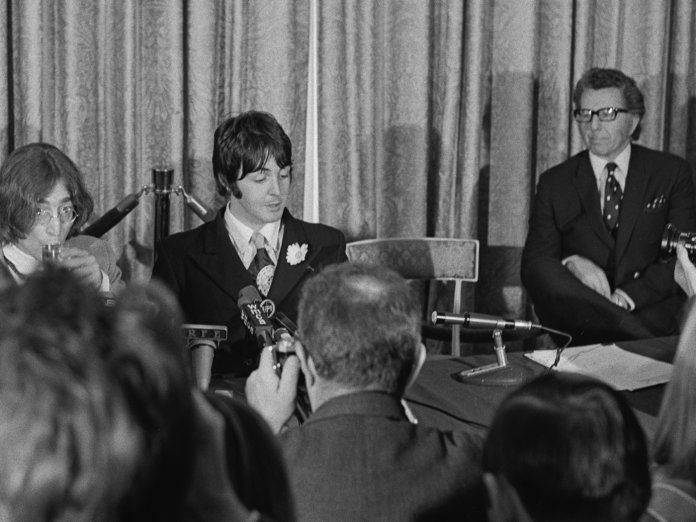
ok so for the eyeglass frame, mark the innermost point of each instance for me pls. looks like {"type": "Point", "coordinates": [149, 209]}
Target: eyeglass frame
{"type": "Point", "coordinates": [611, 116]}
{"type": "Point", "coordinates": [45, 216]}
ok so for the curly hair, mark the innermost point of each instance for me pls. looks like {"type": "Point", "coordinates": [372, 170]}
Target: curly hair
{"type": "Point", "coordinates": [29, 174]}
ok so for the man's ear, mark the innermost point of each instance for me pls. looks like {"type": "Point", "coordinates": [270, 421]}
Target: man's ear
{"type": "Point", "coordinates": [504, 502]}
{"type": "Point", "coordinates": [417, 365]}
{"type": "Point", "coordinates": [306, 363]}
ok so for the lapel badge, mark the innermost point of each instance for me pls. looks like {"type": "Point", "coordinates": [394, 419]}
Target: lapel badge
{"type": "Point", "coordinates": [296, 253]}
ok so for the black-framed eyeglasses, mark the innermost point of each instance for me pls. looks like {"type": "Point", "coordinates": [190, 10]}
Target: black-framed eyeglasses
{"type": "Point", "coordinates": [65, 215]}
{"type": "Point", "coordinates": [604, 114]}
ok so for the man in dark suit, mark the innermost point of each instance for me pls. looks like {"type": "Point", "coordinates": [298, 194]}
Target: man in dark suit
{"type": "Point", "coordinates": [591, 263]}
{"type": "Point", "coordinates": [361, 455]}
{"type": "Point", "coordinates": [254, 240]}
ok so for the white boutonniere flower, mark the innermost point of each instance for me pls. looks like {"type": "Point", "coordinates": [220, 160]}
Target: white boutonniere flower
{"type": "Point", "coordinates": [296, 253]}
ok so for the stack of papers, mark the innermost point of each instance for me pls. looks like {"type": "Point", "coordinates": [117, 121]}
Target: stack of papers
{"type": "Point", "coordinates": [621, 369]}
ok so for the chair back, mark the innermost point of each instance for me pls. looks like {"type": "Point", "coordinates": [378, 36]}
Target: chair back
{"type": "Point", "coordinates": [441, 259]}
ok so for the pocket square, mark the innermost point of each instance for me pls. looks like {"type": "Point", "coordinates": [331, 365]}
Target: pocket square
{"type": "Point", "coordinates": [656, 204]}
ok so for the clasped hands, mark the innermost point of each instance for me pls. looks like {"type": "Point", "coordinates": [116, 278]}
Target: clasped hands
{"type": "Point", "coordinates": [592, 276]}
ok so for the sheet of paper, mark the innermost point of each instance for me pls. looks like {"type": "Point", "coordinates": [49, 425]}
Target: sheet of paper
{"type": "Point", "coordinates": [621, 369]}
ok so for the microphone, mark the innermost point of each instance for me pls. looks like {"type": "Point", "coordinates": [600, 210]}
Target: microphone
{"type": "Point", "coordinates": [254, 317]}
{"type": "Point", "coordinates": [109, 220]}
{"type": "Point", "coordinates": [488, 322]}
{"type": "Point", "coordinates": [202, 340]}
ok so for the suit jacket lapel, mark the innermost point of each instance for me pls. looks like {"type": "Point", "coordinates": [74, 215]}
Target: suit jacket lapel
{"type": "Point", "coordinates": [637, 179]}
{"type": "Point", "coordinates": [286, 275]}
{"type": "Point", "coordinates": [586, 185]}
{"type": "Point", "coordinates": [220, 261]}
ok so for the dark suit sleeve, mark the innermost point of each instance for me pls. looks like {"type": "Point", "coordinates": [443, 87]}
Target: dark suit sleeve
{"type": "Point", "coordinates": [656, 282]}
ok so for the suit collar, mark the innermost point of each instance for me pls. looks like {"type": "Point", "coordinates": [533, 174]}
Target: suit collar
{"type": "Point", "coordinates": [636, 184]}
{"type": "Point", "coordinates": [286, 275]}
{"type": "Point", "coordinates": [366, 403]}
{"type": "Point", "coordinates": [219, 259]}
{"type": "Point", "coordinates": [586, 186]}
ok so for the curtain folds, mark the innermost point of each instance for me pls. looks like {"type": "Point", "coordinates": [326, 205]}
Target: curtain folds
{"type": "Point", "coordinates": [434, 118]}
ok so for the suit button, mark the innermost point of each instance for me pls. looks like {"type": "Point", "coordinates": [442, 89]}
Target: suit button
{"type": "Point", "coordinates": [248, 362]}
{"type": "Point", "coordinates": [636, 275]}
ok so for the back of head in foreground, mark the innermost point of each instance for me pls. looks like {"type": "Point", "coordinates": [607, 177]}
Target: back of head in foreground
{"type": "Point", "coordinates": [566, 447]}
{"type": "Point", "coordinates": [360, 326]}
{"type": "Point", "coordinates": [674, 444]}
{"type": "Point", "coordinates": [67, 443]}
{"type": "Point", "coordinates": [82, 437]}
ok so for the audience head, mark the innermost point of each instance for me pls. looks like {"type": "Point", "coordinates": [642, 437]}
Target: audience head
{"type": "Point", "coordinates": [597, 78]}
{"type": "Point", "coordinates": [244, 144]}
{"type": "Point", "coordinates": [360, 326]}
{"type": "Point", "coordinates": [68, 444]}
{"type": "Point", "coordinates": [39, 177]}
{"type": "Point", "coordinates": [95, 425]}
{"type": "Point", "coordinates": [566, 447]}
{"type": "Point", "coordinates": [674, 444]}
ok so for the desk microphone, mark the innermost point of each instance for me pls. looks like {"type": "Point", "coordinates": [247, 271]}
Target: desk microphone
{"type": "Point", "coordinates": [202, 340]}
{"type": "Point", "coordinates": [488, 322]}
{"type": "Point", "coordinates": [254, 316]}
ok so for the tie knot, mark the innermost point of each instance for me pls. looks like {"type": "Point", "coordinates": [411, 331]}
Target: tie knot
{"type": "Point", "coordinates": [258, 240]}
{"type": "Point", "coordinates": [611, 167]}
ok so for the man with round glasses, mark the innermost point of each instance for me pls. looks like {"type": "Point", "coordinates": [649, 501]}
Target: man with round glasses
{"type": "Point", "coordinates": [591, 262]}
{"type": "Point", "coordinates": [43, 201]}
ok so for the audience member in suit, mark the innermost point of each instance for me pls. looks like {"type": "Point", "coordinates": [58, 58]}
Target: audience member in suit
{"type": "Point", "coordinates": [564, 448]}
{"type": "Point", "coordinates": [43, 200]}
{"type": "Point", "coordinates": [208, 266]}
{"type": "Point", "coordinates": [360, 455]}
{"type": "Point", "coordinates": [674, 445]}
{"type": "Point", "coordinates": [591, 265]}
{"type": "Point", "coordinates": [98, 418]}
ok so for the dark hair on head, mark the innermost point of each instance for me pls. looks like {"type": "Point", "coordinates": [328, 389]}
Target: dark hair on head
{"type": "Point", "coordinates": [598, 78]}
{"type": "Point", "coordinates": [361, 326]}
{"type": "Point", "coordinates": [96, 400]}
{"type": "Point", "coordinates": [573, 450]}
{"type": "Point", "coordinates": [68, 443]}
{"type": "Point", "coordinates": [674, 443]}
{"type": "Point", "coordinates": [29, 174]}
{"type": "Point", "coordinates": [243, 144]}
{"type": "Point", "coordinates": [149, 367]}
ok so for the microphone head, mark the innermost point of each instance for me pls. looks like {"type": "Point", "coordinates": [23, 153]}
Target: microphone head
{"type": "Point", "coordinates": [247, 295]}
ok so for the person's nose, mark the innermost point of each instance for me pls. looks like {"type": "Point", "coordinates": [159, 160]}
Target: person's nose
{"type": "Point", "coordinates": [595, 124]}
{"type": "Point", "coordinates": [274, 188]}
{"type": "Point", "coordinates": [53, 226]}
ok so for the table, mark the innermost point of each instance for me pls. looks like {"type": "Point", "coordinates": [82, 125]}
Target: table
{"type": "Point", "coordinates": [437, 399]}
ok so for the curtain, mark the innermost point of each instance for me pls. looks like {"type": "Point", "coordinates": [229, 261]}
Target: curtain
{"type": "Point", "coordinates": [124, 87]}
{"type": "Point", "coordinates": [434, 118]}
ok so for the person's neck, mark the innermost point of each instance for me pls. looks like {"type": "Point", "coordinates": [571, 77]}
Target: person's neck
{"type": "Point", "coordinates": [325, 391]}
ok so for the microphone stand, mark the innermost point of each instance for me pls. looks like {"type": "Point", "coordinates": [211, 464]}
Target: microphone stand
{"type": "Point", "coordinates": [499, 373]}
{"type": "Point", "coordinates": [162, 189]}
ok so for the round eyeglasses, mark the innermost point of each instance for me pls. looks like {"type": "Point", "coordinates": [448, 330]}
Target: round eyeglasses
{"type": "Point", "coordinates": [603, 114]}
{"type": "Point", "coordinates": [65, 215]}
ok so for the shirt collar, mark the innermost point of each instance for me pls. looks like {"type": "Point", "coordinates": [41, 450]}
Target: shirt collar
{"type": "Point", "coordinates": [241, 233]}
{"type": "Point", "coordinates": [622, 160]}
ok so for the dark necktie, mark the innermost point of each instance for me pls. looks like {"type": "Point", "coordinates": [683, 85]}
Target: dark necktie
{"type": "Point", "coordinates": [612, 199]}
{"type": "Point", "coordinates": [261, 267]}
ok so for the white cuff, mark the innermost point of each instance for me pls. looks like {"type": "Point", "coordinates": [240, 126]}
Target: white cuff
{"type": "Point", "coordinates": [625, 296]}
